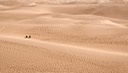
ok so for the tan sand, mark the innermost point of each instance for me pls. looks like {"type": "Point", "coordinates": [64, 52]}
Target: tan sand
{"type": "Point", "coordinates": [80, 37]}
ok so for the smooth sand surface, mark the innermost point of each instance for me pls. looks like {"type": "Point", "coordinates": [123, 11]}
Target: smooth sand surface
{"type": "Point", "coordinates": [79, 37]}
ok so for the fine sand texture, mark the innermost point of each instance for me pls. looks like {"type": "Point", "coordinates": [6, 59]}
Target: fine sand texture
{"type": "Point", "coordinates": [59, 36]}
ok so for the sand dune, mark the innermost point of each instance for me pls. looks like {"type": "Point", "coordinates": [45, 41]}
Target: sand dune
{"type": "Point", "coordinates": [28, 55]}
{"type": "Point", "coordinates": [74, 37]}
{"type": "Point", "coordinates": [115, 11]}
{"type": "Point", "coordinates": [3, 7]}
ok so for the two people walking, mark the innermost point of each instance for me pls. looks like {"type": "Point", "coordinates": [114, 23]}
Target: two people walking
{"type": "Point", "coordinates": [27, 36]}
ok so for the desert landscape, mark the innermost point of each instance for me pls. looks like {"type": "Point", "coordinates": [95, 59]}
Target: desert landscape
{"type": "Point", "coordinates": [63, 36]}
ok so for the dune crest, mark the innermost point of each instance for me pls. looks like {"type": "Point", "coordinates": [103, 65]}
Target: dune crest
{"type": "Point", "coordinates": [112, 23]}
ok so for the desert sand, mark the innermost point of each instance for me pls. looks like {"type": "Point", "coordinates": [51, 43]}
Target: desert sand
{"type": "Point", "coordinates": [66, 37]}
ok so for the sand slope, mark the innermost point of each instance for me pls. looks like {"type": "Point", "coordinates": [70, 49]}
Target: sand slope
{"type": "Point", "coordinates": [70, 38]}
{"type": "Point", "coordinates": [24, 55]}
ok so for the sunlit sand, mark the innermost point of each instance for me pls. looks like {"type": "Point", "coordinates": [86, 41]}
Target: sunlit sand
{"type": "Point", "coordinates": [59, 36]}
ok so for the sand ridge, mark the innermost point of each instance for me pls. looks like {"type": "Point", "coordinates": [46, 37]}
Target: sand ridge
{"type": "Point", "coordinates": [40, 43]}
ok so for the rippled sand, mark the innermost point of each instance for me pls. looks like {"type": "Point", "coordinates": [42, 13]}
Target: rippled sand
{"type": "Point", "coordinates": [65, 38]}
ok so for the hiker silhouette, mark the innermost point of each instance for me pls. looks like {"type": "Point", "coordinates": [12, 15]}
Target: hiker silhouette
{"type": "Point", "coordinates": [27, 36]}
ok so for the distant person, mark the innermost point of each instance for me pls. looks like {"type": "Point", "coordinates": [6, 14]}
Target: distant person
{"type": "Point", "coordinates": [29, 36]}
{"type": "Point", "coordinates": [26, 36]}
